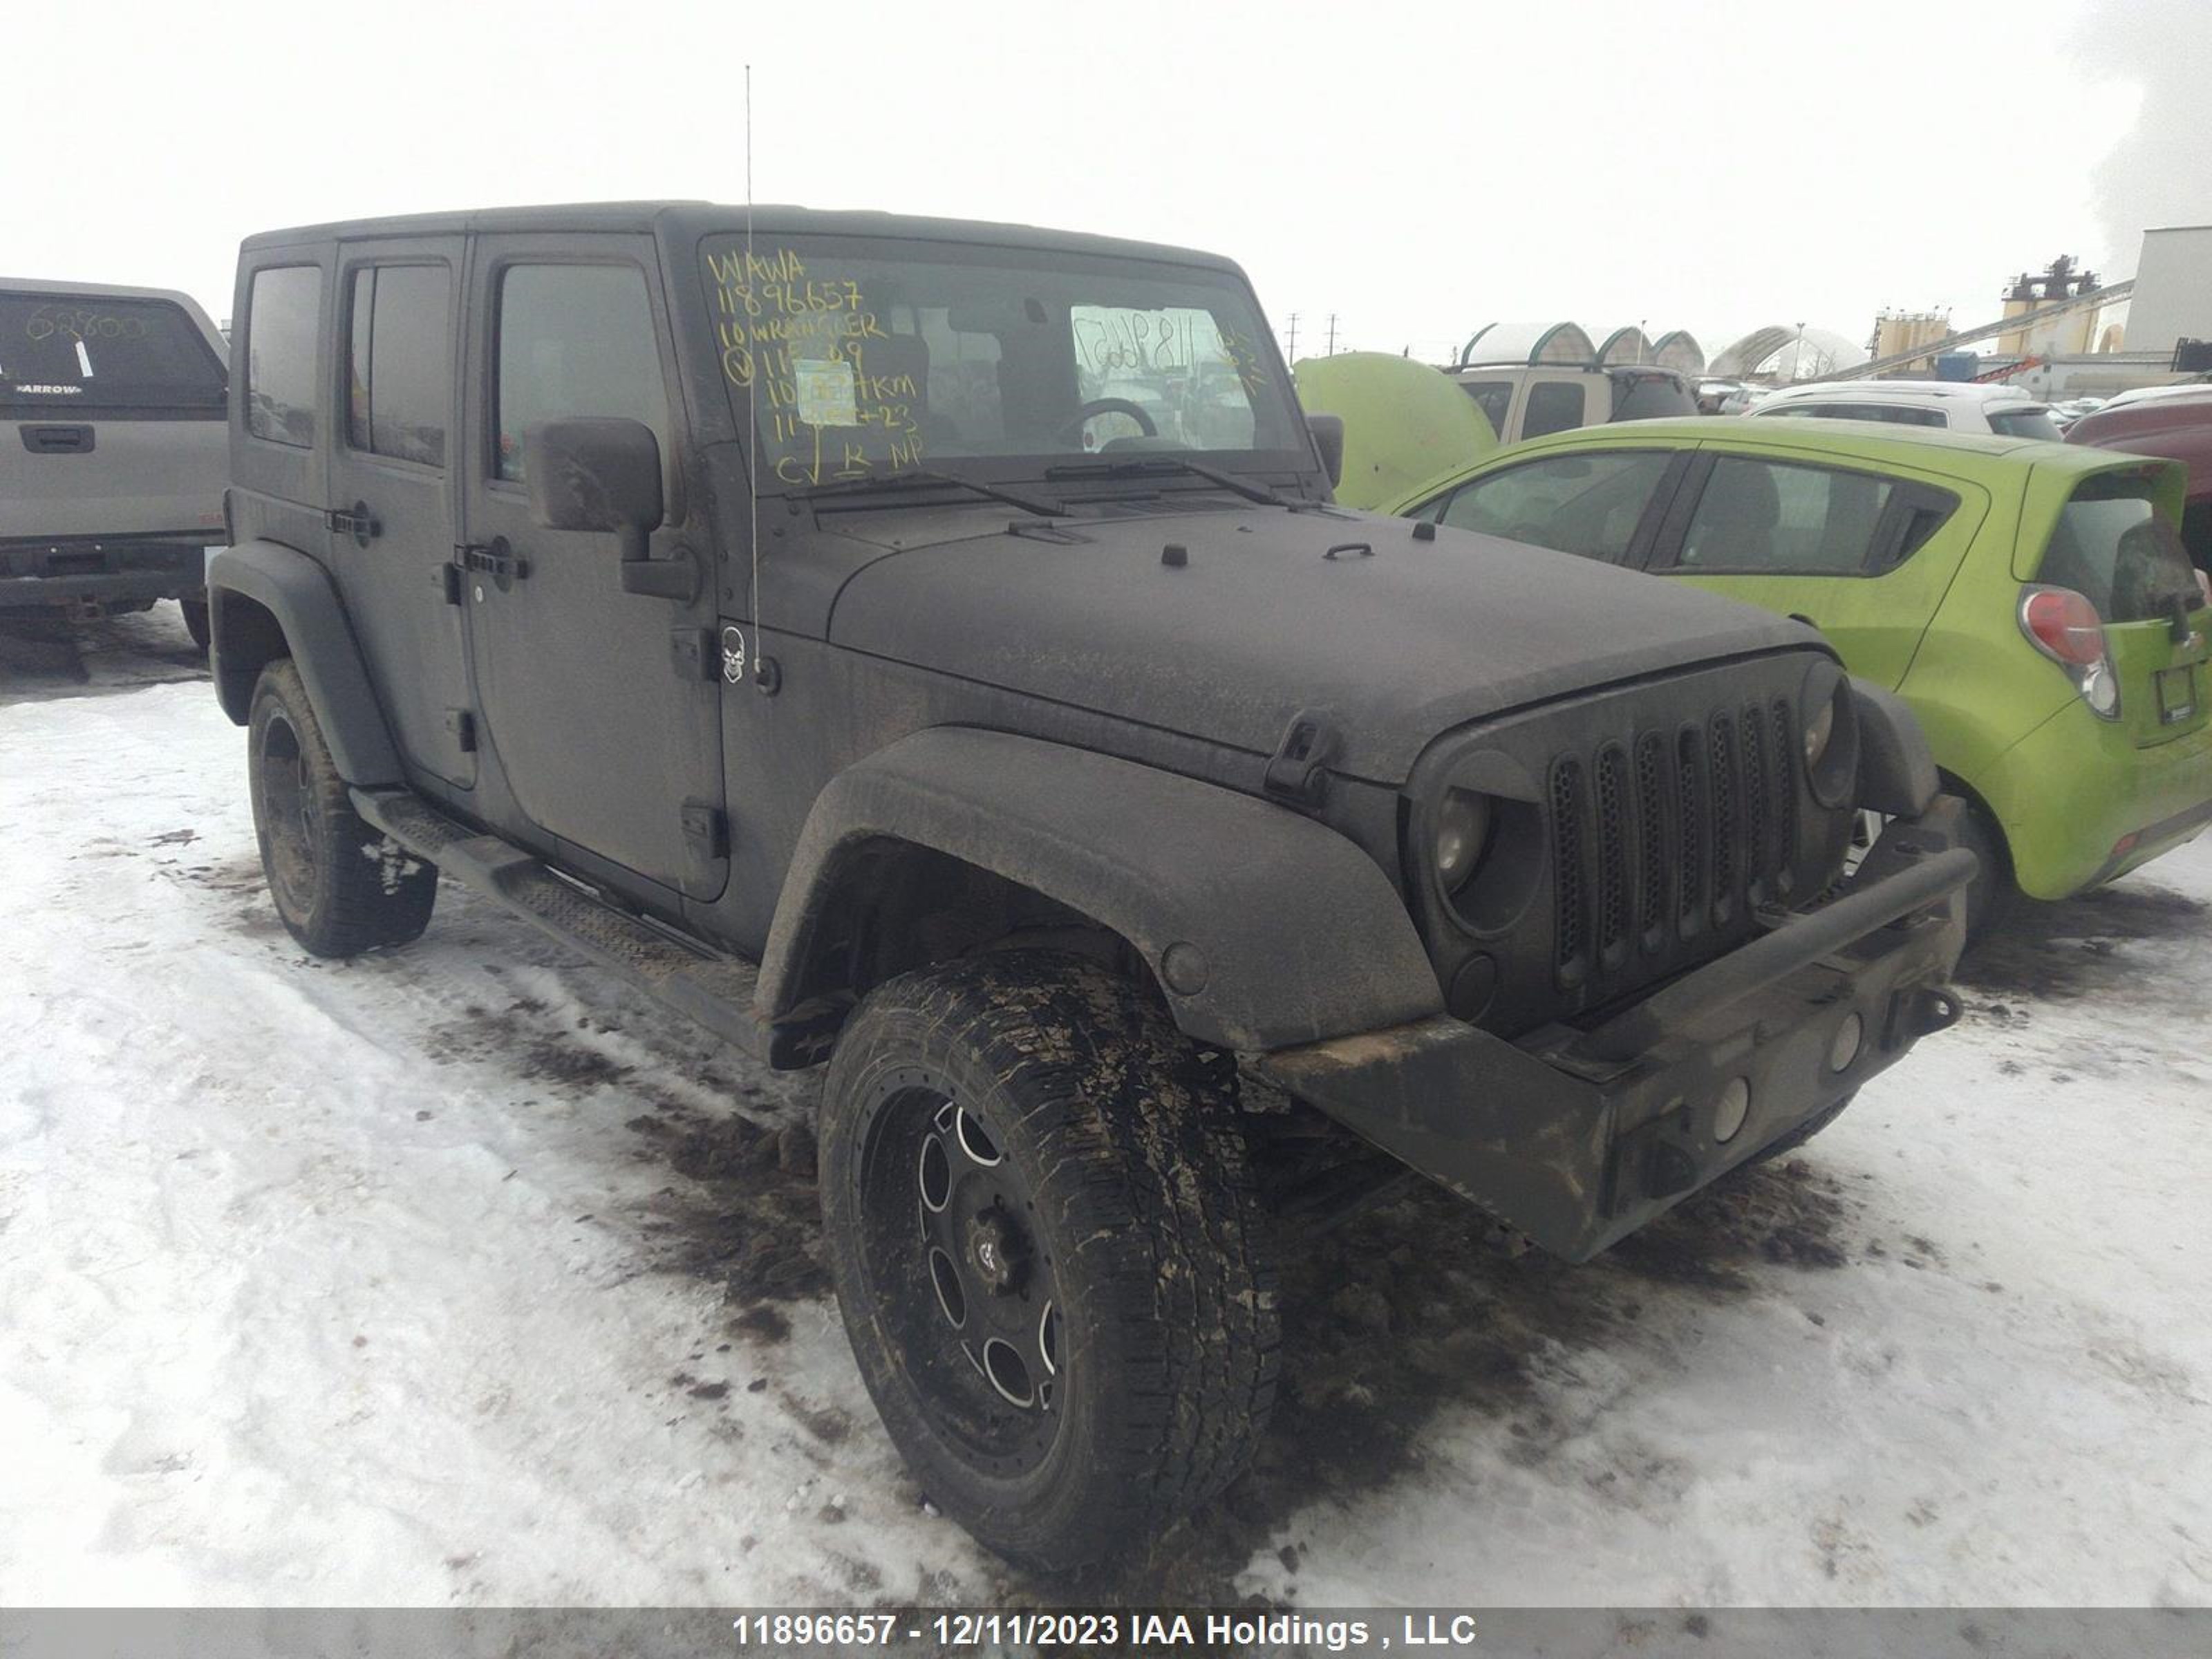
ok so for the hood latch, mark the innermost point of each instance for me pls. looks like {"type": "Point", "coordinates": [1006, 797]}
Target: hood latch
{"type": "Point", "coordinates": [1298, 771]}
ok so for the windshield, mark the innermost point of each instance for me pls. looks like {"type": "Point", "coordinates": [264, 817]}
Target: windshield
{"type": "Point", "coordinates": [92, 351]}
{"type": "Point", "coordinates": [869, 357]}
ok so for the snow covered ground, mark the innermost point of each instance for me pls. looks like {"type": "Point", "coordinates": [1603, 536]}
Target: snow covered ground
{"type": "Point", "coordinates": [461, 1274]}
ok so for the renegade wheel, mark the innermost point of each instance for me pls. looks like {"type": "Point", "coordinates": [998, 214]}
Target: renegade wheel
{"type": "Point", "coordinates": [1049, 1254]}
{"type": "Point", "coordinates": [340, 886]}
{"type": "Point", "coordinates": [195, 621]}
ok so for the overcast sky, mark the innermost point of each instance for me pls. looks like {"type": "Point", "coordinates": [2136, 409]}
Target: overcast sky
{"type": "Point", "coordinates": [1417, 169]}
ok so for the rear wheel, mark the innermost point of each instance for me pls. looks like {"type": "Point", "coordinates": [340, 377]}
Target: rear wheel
{"type": "Point", "coordinates": [1050, 1255]}
{"type": "Point", "coordinates": [195, 621]}
{"type": "Point", "coordinates": [340, 886]}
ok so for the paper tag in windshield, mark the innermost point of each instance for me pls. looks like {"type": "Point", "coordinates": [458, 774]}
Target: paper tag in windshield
{"type": "Point", "coordinates": [826, 394]}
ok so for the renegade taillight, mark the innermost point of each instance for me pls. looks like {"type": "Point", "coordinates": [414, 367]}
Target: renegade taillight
{"type": "Point", "coordinates": [2065, 627]}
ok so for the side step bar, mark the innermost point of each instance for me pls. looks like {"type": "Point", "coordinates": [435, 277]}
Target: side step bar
{"type": "Point", "coordinates": [717, 991]}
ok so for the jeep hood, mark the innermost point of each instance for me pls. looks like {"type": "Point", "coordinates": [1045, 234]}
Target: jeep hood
{"type": "Point", "coordinates": [1392, 646]}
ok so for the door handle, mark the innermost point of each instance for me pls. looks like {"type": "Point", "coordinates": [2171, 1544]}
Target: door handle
{"type": "Point", "coordinates": [494, 558]}
{"type": "Point", "coordinates": [359, 523]}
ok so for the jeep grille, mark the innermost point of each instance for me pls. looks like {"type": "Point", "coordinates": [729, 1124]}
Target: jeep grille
{"type": "Point", "coordinates": [1718, 827]}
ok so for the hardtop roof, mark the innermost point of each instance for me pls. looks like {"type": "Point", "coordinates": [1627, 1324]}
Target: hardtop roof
{"type": "Point", "coordinates": [687, 221]}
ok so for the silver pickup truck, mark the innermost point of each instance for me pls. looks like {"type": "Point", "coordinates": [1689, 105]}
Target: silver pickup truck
{"type": "Point", "coordinates": [112, 449]}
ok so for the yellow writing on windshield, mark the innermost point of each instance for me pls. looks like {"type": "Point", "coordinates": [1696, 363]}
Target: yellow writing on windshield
{"type": "Point", "coordinates": [815, 360]}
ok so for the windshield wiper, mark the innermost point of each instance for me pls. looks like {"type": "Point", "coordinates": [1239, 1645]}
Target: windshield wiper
{"type": "Point", "coordinates": [922, 474]}
{"type": "Point", "coordinates": [1162, 464]}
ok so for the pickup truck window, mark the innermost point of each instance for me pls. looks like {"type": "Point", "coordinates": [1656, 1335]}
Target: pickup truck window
{"type": "Point", "coordinates": [283, 317]}
{"type": "Point", "coordinates": [862, 357]}
{"type": "Point", "coordinates": [61, 351]}
{"type": "Point", "coordinates": [399, 370]}
{"type": "Point", "coordinates": [1778, 518]}
{"type": "Point", "coordinates": [1584, 504]}
{"type": "Point", "coordinates": [1553, 406]}
{"type": "Point", "coordinates": [1494, 398]}
{"type": "Point", "coordinates": [575, 340]}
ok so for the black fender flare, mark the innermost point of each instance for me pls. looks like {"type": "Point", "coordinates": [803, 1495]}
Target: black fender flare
{"type": "Point", "coordinates": [299, 593]}
{"type": "Point", "coordinates": [1265, 929]}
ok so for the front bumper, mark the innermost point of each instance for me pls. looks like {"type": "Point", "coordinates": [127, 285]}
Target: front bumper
{"type": "Point", "coordinates": [1577, 1137]}
{"type": "Point", "coordinates": [85, 578]}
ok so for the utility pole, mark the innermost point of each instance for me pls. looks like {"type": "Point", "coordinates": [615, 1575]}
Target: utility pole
{"type": "Point", "coordinates": [1331, 334]}
{"type": "Point", "coordinates": [1293, 353]}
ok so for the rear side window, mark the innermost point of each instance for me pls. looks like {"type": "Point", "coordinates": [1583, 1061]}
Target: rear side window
{"type": "Point", "coordinates": [59, 352]}
{"type": "Point", "coordinates": [2111, 544]}
{"type": "Point", "coordinates": [2026, 423]}
{"type": "Point", "coordinates": [1778, 518]}
{"type": "Point", "coordinates": [1553, 406]}
{"type": "Point", "coordinates": [575, 340]}
{"type": "Point", "coordinates": [1585, 504]}
{"type": "Point", "coordinates": [1494, 398]}
{"type": "Point", "coordinates": [399, 379]}
{"type": "Point", "coordinates": [283, 317]}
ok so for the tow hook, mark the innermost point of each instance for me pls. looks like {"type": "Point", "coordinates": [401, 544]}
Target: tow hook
{"type": "Point", "coordinates": [1923, 1013]}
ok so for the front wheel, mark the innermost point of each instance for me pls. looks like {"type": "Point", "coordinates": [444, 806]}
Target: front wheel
{"type": "Point", "coordinates": [340, 886]}
{"type": "Point", "coordinates": [1050, 1255]}
{"type": "Point", "coordinates": [195, 621]}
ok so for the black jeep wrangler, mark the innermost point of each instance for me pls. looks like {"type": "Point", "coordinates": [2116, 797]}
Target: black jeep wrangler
{"type": "Point", "coordinates": [931, 647]}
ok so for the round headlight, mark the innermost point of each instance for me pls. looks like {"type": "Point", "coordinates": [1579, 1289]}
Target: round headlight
{"type": "Point", "coordinates": [1462, 829]}
{"type": "Point", "coordinates": [1818, 731]}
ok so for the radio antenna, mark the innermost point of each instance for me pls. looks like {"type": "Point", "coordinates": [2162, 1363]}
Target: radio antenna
{"type": "Point", "coordinates": [752, 413]}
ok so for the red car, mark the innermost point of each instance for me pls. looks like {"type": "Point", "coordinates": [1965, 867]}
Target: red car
{"type": "Point", "coordinates": [2179, 427]}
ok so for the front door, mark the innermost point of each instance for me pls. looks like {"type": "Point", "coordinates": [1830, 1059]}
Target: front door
{"type": "Point", "coordinates": [596, 703]}
{"type": "Point", "coordinates": [392, 486]}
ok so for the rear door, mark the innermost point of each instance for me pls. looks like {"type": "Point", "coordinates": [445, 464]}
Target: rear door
{"type": "Point", "coordinates": [604, 707]}
{"type": "Point", "coordinates": [2115, 538]}
{"type": "Point", "coordinates": [1864, 556]}
{"type": "Point", "coordinates": [390, 475]}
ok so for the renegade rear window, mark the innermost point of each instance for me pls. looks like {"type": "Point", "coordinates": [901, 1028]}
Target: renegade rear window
{"type": "Point", "coordinates": [2111, 544]}
{"type": "Point", "coordinates": [86, 351]}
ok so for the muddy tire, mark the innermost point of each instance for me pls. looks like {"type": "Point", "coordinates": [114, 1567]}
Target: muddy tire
{"type": "Point", "coordinates": [1051, 1259]}
{"type": "Point", "coordinates": [340, 887]}
{"type": "Point", "coordinates": [195, 621]}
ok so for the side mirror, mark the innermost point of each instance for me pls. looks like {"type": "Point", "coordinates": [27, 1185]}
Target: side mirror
{"type": "Point", "coordinates": [1328, 438]}
{"type": "Point", "coordinates": [595, 474]}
